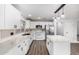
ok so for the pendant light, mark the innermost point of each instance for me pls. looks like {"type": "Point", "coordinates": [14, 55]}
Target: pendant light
{"type": "Point", "coordinates": [58, 18]}
{"type": "Point", "coordinates": [62, 16]}
{"type": "Point", "coordinates": [29, 15]}
{"type": "Point", "coordinates": [55, 19]}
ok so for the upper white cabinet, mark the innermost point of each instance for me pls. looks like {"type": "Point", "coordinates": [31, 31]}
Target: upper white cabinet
{"type": "Point", "coordinates": [9, 16]}
{"type": "Point", "coordinates": [1, 16]}
{"type": "Point", "coordinates": [12, 16]}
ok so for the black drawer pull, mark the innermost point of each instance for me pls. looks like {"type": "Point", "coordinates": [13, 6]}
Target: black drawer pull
{"type": "Point", "coordinates": [24, 42]}
{"type": "Point", "coordinates": [19, 46]}
{"type": "Point", "coordinates": [48, 43]}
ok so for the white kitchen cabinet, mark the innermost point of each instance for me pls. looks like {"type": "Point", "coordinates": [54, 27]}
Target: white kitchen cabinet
{"type": "Point", "coordinates": [50, 47]}
{"type": "Point", "coordinates": [12, 16]}
{"type": "Point", "coordinates": [1, 16]}
{"type": "Point", "coordinates": [15, 51]}
{"type": "Point", "coordinates": [22, 46]}
{"type": "Point", "coordinates": [58, 48]}
{"type": "Point", "coordinates": [61, 48]}
{"type": "Point", "coordinates": [9, 16]}
{"type": "Point", "coordinates": [58, 45]}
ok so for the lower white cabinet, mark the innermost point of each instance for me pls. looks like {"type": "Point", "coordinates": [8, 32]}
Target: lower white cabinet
{"type": "Point", "coordinates": [50, 47]}
{"type": "Point", "coordinates": [15, 51]}
{"type": "Point", "coordinates": [22, 47]}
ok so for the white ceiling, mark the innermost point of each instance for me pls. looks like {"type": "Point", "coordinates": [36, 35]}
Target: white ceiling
{"type": "Point", "coordinates": [44, 11]}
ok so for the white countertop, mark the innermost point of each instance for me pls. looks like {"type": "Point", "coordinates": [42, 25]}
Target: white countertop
{"type": "Point", "coordinates": [59, 38]}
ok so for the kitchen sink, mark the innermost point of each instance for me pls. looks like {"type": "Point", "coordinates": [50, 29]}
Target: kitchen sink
{"type": "Point", "coordinates": [25, 34]}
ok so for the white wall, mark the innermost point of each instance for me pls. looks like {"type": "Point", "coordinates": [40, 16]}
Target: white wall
{"type": "Point", "coordinates": [33, 24]}
{"type": "Point", "coordinates": [70, 29]}
{"type": "Point", "coordinates": [59, 27]}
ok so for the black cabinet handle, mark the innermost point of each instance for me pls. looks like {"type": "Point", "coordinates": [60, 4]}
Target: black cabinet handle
{"type": "Point", "coordinates": [24, 42]}
{"type": "Point", "coordinates": [48, 43]}
{"type": "Point", "coordinates": [19, 46]}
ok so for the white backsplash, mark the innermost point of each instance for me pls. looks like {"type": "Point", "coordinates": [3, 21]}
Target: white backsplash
{"type": "Point", "coordinates": [4, 33]}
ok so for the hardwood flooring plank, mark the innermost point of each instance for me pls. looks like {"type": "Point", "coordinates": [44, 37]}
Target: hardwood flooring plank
{"type": "Point", "coordinates": [74, 48]}
{"type": "Point", "coordinates": [38, 47]}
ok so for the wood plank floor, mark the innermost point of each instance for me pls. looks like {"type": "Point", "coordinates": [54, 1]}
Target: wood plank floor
{"type": "Point", "coordinates": [38, 47]}
{"type": "Point", "coordinates": [74, 48]}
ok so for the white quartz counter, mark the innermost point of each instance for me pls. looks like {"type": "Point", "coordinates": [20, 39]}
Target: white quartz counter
{"type": "Point", "coordinates": [60, 38]}
{"type": "Point", "coordinates": [57, 38]}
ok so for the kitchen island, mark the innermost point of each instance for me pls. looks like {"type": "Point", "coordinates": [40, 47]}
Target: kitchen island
{"type": "Point", "coordinates": [58, 45]}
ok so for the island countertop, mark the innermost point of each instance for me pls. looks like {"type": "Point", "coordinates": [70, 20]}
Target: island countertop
{"type": "Point", "coordinates": [59, 38]}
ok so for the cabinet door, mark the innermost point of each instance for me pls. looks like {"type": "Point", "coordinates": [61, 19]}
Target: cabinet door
{"type": "Point", "coordinates": [1, 16]}
{"type": "Point", "coordinates": [49, 45]}
{"type": "Point", "coordinates": [15, 51]}
{"type": "Point", "coordinates": [61, 48]}
{"type": "Point", "coordinates": [25, 46]}
{"type": "Point", "coordinates": [51, 48]}
{"type": "Point", "coordinates": [12, 16]}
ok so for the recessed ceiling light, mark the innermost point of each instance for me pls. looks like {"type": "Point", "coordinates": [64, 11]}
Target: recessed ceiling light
{"type": "Point", "coordinates": [58, 18]}
{"type": "Point", "coordinates": [39, 17]}
{"type": "Point", "coordinates": [62, 16]}
{"type": "Point", "coordinates": [29, 15]}
{"type": "Point", "coordinates": [53, 17]}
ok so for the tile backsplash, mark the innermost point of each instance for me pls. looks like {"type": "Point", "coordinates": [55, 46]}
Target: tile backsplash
{"type": "Point", "coordinates": [0, 35]}
{"type": "Point", "coordinates": [4, 33]}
